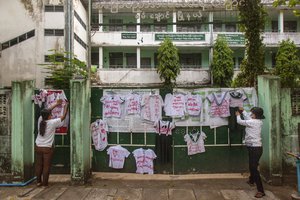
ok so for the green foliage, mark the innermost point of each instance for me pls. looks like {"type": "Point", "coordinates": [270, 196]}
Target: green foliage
{"type": "Point", "coordinates": [168, 63]}
{"type": "Point", "coordinates": [222, 64]}
{"type": "Point", "coordinates": [62, 68]}
{"type": "Point", "coordinates": [289, 3]}
{"type": "Point", "coordinates": [252, 15]}
{"type": "Point", "coordinates": [287, 64]}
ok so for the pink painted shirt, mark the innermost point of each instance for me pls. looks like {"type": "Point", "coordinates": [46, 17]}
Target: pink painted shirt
{"type": "Point", "coordinates": [144, 160]}
{"type": "Point", "coordinates": [99, 130]}
{"type": "Point", "coordinates": [175, 105]}
{"type": "Point", "coordinates": [151, 107]}
{"type": "Point", "coordinates": [193, 104]}
{"type": "Point", "coordinates": [164, 127]}
{"type": "Point", "coordinates": [117, 155]}
{"type": "Point", "coordinates": [133, 104]}
{"type": "Point", "coordinates": [195, 142]}
{"type": "Point", "coordinates": [219, 106]}
{"type": "Point", "coordinates": [112, 105]}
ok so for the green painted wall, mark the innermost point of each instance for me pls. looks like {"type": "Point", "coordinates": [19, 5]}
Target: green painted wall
{"type": "Point", "coordinates": [80, 131]}
{"type": "Point", "coordinates": [216, 159]}
{"type": "Point", "coordinates": [22, 130]}
{"type": "Point", "coordinates": [269, 100]}
{"type": "Point", "coordinates": [290, 129]}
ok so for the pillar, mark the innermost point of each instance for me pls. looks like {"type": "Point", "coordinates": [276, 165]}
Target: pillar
{"type": "Point", "coordinates": [100, 57]}
{"type": "Point", "coordinates": [138, 21]}
{"type": "Point", "coordinates": [269, 100]}
{"type": "Point", "coordinates": [100, 20]}
{"type": "Point", "coordinates": [281, 21]}
{"type": "Point", "coordinates": [22, 148]}
{"type": "Point", "coordinates": [138, 57]}
{"type": "Point", "coordinates": [80, 131]}
{"type": "Point", "coordinates": [174, 22]}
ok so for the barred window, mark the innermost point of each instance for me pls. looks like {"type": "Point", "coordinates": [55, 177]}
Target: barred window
{"type": "Point", "coordinates": [52, 8]}
{"type": "Point", "coordinates": [295, 96]}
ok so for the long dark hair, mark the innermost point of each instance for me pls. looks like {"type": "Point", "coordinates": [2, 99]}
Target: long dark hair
{"type": "Point", "coordinates": [45, 113]}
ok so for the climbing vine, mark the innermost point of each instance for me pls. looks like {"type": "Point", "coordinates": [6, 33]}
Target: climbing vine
{"type": "Point", "coordinates": [252, 15]}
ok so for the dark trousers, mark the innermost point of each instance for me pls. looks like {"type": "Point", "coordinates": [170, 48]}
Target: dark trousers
{"type": "Point", "coordinates": [43, 163]}
{"type": "Point", "coordinates": [254, 156]}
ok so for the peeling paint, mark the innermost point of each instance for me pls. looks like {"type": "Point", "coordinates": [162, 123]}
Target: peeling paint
{"type": "Point", "coordinates": [28, 6]}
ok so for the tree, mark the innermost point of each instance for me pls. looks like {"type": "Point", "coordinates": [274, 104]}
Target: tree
{"type": "Point", "coordinates": [222, 64]}
{"type": "Point", "coordinates": [168, 63]}
{"type": "Point", "coordinates": [287, 64]}
{"type": "Point", "coordinates": [289, 3]}
{"type": "Point", "coordinates": [252, 16]}
{"type": "Point", "coordinates": [62, 68]}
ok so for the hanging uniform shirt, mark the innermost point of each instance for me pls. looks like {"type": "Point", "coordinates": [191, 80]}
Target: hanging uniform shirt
{"type": "Point", "coordinates": [151, 107]}
{"type": "Point", "coordinates": [144, 160]}
{"type": "Point", "coordinates": [237, 98]}
{"type": "Point", "coordinates": [219, 104]}
{"type": "Point", "coordinates": [195, 142]}
{"type": "Point", "coordinates": [99, 130]}
{"type": "Point", "coordinates": [164, 127]}
{"type": "Point", "coordinates": [175, 105]}
{"type": "Point", "coordinates": [133, 104]}
{"type": "Point", "coordinates": [193, 104]}
{"type": "Point", "coordinates": [112, 105]}
{"type": "Point", "coordinates": [58, 111]}
{"type": "Point", "coordinates": [117, 155]}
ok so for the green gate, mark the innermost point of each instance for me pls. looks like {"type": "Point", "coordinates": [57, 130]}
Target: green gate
{"type": "Point", "coordinates": [220, 157]}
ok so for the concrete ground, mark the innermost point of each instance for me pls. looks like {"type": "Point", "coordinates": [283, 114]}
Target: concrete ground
{"type": "Point", "coordinates": [116, 186]}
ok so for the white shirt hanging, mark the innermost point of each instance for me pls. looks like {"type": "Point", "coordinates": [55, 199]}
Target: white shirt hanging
{"type": "Point", "coordinates": [195, 142]}
{"type": "Point", "coordinates": [112, 105]}
{"type": "Point", "coordinates": [193, 104]}
{"type": "Point", "coordinates": [99, 130]}
{"type": "Point", "coordinates": [133, 104]}
{"type": "Point", "coordinates": [164, 127]}
{"type": "Point", "coordinates": [144, 160]}
{"type": "Point", "coordinates": [117, 155]}
{"type": "Point", "coordinates": [175, 105]}
{"type": "Point", "coordinates": [219, 106]}
{"type": "Point", "coordinates": [151, 107]}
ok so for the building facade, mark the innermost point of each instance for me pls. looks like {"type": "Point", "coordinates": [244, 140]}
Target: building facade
{"type": "Point", "coordinates": [125, 36]}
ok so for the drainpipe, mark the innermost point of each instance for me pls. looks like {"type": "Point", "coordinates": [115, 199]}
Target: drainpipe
{"type": "Point", "coordinates": [69, 28]}
{"type": "Point", "coordinates": [17, 184]}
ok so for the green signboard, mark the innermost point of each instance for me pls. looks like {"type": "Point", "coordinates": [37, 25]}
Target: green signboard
{"type": "Point", "coordinates": [233, 39]}
{"type": "Point", "coordinates": [128, 36]}
{"type": "Point", "coordinates": [180, 37]}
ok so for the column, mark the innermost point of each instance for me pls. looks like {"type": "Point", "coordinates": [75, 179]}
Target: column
{"type": "Point", "coordinates": [281, 22]}
{"type": "Point", "coordinates": [211, 50]}
{"type": "Point", "coordinates": [174, 21]}
{"type": "Point", "coordinates": [138, 57]}
{"type": "Point", "coordinates": [269, 96]}
{"type": "Point", "coordinates": [100, 57]}
{"type": "Point", "coordinates": [22, 128]}
{"type": "Point", "coordinates": [100, 20]}
{"type": "Point", "coordinates": [80, 115]}
{"type": "Point", "coordinates": [138, 21]}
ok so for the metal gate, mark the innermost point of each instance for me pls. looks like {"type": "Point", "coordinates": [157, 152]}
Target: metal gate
{"type": "Point", "coordinates": [5, 131]}
{"type": "Point", "coordinates": [223, 155]}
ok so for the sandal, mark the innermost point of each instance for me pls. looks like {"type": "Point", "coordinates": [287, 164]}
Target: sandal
{"type": "Point", "coordinates": [250, 184]}
{"type": "Point", "coordinates": [259, 195]}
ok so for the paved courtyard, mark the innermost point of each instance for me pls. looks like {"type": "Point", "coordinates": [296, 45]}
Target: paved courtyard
{"type": "Point", "coordinates": [109, 186]}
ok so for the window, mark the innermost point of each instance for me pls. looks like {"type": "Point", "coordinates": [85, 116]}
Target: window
{"type": "Point", "coordinates": [131, 60]}
{"type": "Point", "coordinates": [192, 60]}
{"type": "Point", "coordinates": [57, 58]}
{"type": "Point", "coordinates": [194, 26]}
{"type": "Point", "coordinates": [290, 26]}
{"type": "Point", "coordinates": [80, 41]}
{"type": "Point", "coordinates": [115, 25]}
{"type": "Point", "coordinates": [80, 20]}
{"type": "Point", "coordinates": [116, 60]}
{"type": "Point", "coordinates": [160, 26]}
{"type": "Point", "coordinates": [274, 26]}
{"type": "Point", "coordinates": [145, 62]}
{"type": "Point", "coordinates": [295, 97]}
{"type": "Point", "coordinates": [52, 8]}
{"type": "Point", "coordinates": [145, 28]}
{"type": "Point", "coordinates": [230, 28]}
{"type": "Point", "coordinates": [95, 58]}
{"type": "Point", "coordinates": [54, 32]}
{"type": "Point", "coordinates": [217, 26]}
{"type": "Point", "coordinates": [17, 40]}
{"type": "Point", "coordinates": [131, 28]}
{"type": "Point", "coordinates": [273, 59]}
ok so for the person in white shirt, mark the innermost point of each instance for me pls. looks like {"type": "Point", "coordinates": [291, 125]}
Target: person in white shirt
{"type": "Point", "coordinates": [253, 123]}
{"type": "Point", "coordinates": [44, 147]}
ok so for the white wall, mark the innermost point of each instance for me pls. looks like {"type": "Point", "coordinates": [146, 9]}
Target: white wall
{"type": "Point", "coordinates": [19, 61]}
{"type": "Point", "coordinates": [79, 51]}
